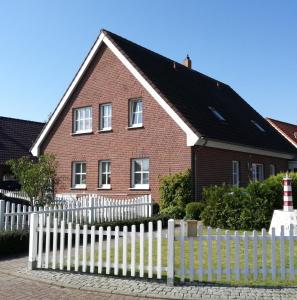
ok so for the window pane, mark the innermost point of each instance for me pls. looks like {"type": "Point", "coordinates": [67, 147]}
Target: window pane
{"type": "Point", "coordinates": [83, 167]}
{"type": "Point", "coordinates": [83, 179]}
{"type": "Point", "coordinates": [145, 178]}
{"type": "Point", "coordinates": [137, 165]}
{"type": "Point", "coordinates": [77, 179]}
{"type": "Point", "coordinates": [108, 178]}
{"type": "Point", "coordinates": [137, 178]}
{"type": "Point", "coordinates": [145, 165]}
{"type": "Point", "coordinates": [77, 168]}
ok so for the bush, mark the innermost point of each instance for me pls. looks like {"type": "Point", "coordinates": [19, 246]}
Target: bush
{"type": "Point", "coordinates": [175, 193]}
{"type": "Point", "coordinates": [194, 210]}
{"type": "Point", "coordinates": [13, 242]}
{"type": "Point", "coordinates": [245, 208]}
{"type": "Point", "coordinates": [156, 208]}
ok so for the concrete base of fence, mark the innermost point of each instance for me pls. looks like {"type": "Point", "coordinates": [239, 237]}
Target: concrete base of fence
{"type": "Point", "coordinates": [32, 265]}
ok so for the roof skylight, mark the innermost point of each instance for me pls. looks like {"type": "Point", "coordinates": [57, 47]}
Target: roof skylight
{"type": "Point", "coordinates": [216, 113]}
{"type": "Point", "coordinates": [258, 126]}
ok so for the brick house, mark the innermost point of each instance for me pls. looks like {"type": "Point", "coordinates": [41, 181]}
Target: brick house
{"type": "Point", "coordinates": [131, 116]}
{"type": "Point", "coordinates": [289, 131]}
{"type": "Point", "coordinates": [16, 139]}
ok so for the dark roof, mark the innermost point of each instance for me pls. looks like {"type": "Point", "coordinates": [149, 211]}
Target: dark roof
{"type": "Point", "coordinates": [16, 137]}
{"type": "Point", "coordinates": [289, 130]}
{"type": "Point", "coordinates": [191, 93]}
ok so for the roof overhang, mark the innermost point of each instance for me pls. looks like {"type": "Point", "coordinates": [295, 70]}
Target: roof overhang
{"type": "Point", "coordinates": [243, 148]}
{"type": "Point", "coordinates": [192, 137]}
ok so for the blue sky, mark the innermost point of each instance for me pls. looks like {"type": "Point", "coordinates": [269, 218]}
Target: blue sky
{"type": "Point", "coordinates": [250, 45]}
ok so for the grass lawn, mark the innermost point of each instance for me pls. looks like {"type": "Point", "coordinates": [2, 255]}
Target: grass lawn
{"type": "Point", "coordinates": [243, 281]}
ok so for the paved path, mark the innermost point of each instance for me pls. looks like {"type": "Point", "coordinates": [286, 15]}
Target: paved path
{"type": "Point", "coordinates": [16, 282]}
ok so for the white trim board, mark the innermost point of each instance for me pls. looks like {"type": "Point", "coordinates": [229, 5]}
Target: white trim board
{"type": "Point", "coordinates": [247, 149]}
{"type": "Point", "coordinates": [192, 137]}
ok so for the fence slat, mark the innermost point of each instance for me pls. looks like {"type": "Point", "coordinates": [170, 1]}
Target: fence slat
{"type": "Point", "coordinates": [62, 244]}
{"type": "Point", "coordinates": [291, 252]}
{"type": "Point", "coordinates": [85, 240]}
{"type": "Point", "coordinates": [228, 267]}
{"type": "Point", "coordinates": [141, 250]}
{"type": "Point", "coordinates": [125, 236]}
{"type": "Point", "coordinates": [116, 251]}
{"type": "Point", "coordinates": [69, 246]}
{"type": "Point", "coordinates": [182, 251]}
{"type": "Point", "coordinates": [264, 254]}
{"type": "Point", "coordinates": [237, 261]}
{"type": "Point", "coordinates": [255, 255]}
{"type": "Point", "coordinates": [219, 257]}
{"type": "Point", "coordinates": [76, 250]}
{"type": "Point", "coordinates": [47, 241]}
{"type": "Point", "coordinates": [150, 250]}
{"type": "Point", "coordinates": [92, 254]}
{"type": "Point", "coordinates": [133, 249]}
{"type": "Point", "coordinates": [209, 254]}
{"type": "Point", "coordinates": [170, 252]}
{"type": "Point", "coordinates": [100, 250]}
{"type": "Point", "coordinates": [40, 242]}
{"type": "Point", "coordinates": [108, 238]}
{"type": "Point", "coordinates": [159, 249]}
{"type": "Point", "coordinates": [282, 254]}
{"type": "Point", "coordinates": [200, 253]}
{"type": "Point", "coordinates": [55, 234]}
{"type": "Point", "coordinates": [273, 262]}
{"type": "Point", "coordinates": [246, 255]}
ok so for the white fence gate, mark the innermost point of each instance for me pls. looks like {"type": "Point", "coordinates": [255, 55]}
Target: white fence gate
{"type": "Point", "coordinates": [87, 210]}
{"type": "Point", "coordinates": [202, 256]}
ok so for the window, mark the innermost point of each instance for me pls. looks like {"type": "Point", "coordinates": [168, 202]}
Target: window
{"type": "Point", "coordinates": [79, 173]}
{"type": "Point", "coordinates": [235, 173]}
{"type": "Point", "coordinates": [140, 173]}
{"type": "Point", "coordinates": [135, 113]}
{"type": "Point", "coordinates": [258, 126]}
{"type": "Point", "coordinates": [105, 116]}
{"type": "Point", "coordinates": [216, 113]}
{"type": "Point", "coordinates": [258, 172]}
{"type": "Point", "coordinates": [104, 174]}
{"type": "Point", "coordinates": [271, 170]}
{"type": "Point", "coordinates": [82, 120]}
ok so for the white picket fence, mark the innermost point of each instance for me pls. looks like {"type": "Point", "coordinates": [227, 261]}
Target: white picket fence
{"type": "Point", "coordinates": [108, 252]}
{"type": "Point", "coordinates": [205, 256]}
{"type": "Point", "coordinates": [15, 194]}
{"type": "Point", "coordinates": [87, 210]}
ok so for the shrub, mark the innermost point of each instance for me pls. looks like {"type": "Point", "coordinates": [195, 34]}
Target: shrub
{"type": "Point", "coordinates": [245, 208]}
{"type": "Point", "coordinates": [175, 212]}
{"type": "Point", "coordinates": [13, 242]}
{"type": "Point", "coordinates": [194, 210]}
{"type": "Point", "coordinates": [156, 208]}
{"type": "Point", "coordinates": [175, 193]}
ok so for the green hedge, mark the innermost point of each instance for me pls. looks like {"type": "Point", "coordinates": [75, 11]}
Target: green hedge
{"type": "Point", "coordinates": [13, 242]}
{"type": "Point", "coordinates": [194, 209]}
{"type": "Point", "coordinates": [245, 208]}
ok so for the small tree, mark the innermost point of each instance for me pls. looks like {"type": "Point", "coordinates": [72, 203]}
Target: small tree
{"type": "Point", "coordinates": [175, 193]}
{"type": "Point", "coordinates": [37, 177]}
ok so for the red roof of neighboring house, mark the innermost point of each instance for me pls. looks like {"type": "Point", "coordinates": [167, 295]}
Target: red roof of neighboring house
{"type": "Point", "coordinates": [289, 131]}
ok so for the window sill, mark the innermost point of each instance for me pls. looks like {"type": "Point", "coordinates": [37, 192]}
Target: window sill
{"type": "Point", "coordinates": [82, 133]}
{"type": "Point", "coordinates": [140, 189]}
{"type": "Point", "coordinates": [78, 188]}
{"type": "Point", "coordinates": [135, 127]}
{"type": "Point", "coordinates": [104, 130]}
{"type": "Point", "coordinates": [104, 188]}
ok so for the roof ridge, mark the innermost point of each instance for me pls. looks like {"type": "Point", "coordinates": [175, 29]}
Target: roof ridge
{"type": "Point", "coordinates": [23, 120]}
{"type": "Point", "coordinates": [109, 33]}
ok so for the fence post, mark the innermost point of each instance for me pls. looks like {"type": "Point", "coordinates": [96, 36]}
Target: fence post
{"type": "Point", "coordinates": [32, 263]}
{"type": "Point", "coordinates": [2, 212]}
{"type": "Point", "coordinates": [170, 253]}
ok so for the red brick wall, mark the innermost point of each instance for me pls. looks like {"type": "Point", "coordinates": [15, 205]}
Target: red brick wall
{"type": "Point", "coordinates": [161, 140]}
{"type": "Point", "coordinates": [214, 166]}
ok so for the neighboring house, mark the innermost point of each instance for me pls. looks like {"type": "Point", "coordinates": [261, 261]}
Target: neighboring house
{"type": "Point", "coordinates": [289, 131]}
{"type": "Point", "coordinates": [16, 139]}
{"type": "Point", "coordinates": [131, 116]}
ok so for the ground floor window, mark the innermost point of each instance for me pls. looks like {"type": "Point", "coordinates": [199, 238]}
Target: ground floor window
{"type": "Point", "coordinates": [258, 172]}
{"type": "Point", "coordinates": [140, 173]}
{"type": "Point", "coordinates": [235, 173]}
{"type": "Point", "coordinates": [271, 170]}
{"type": "Point", "coordinates": [79, 172]}
{"type": "Point", "coordinates": [104, 174]}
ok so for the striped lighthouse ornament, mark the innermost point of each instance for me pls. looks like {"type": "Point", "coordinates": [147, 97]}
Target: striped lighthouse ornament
{"type": "Point", "coordinates": [288, 198]}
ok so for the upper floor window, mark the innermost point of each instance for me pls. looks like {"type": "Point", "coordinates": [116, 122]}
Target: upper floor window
{"type": "Point", "coordinates": [258, 126]}
{"type": "Point", "coordinates": [217, 114]}
{"type": "Point", "coordinates": [271, 170]}
{"type": "Point", "coordinates": [105, 116]}
{"type": "Point", "coordinates": [135, 113]}
{"type": "Point", "coordinates": [79, 173]}
{"type": "Point", "coordinates": [258, 172]}
{"type": "Point", "coordinates": [104, 174]}
{"type": "Point", "coordinates": [235, 173]}
{"type": "Point", "coordinates": [140, 173]}
{"type": "Point", "coordinates": [82, 121]}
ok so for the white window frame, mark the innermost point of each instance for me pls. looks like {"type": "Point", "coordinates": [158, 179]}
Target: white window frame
{"type": "Point", "coordinates": [255, 168]}
{"type": "Point", "coordinates": [141, 185]}
{"type": "Point", "coordinates": [235, 173]}
{"type": "Point", "coordinates": [79, 117]}
{"type": "Point", "coordinates": [79, 185]}
{"type": "Point", "coordinates": [104, 117]}
{"type": "Point", "coordinates": [137, 112]}
{"type": "Point", "coordinates": [272, 170]}
{"type": "Point", "coordinates": [104, 173]}
{"type": "Point", "coordinates": [217, 114]}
